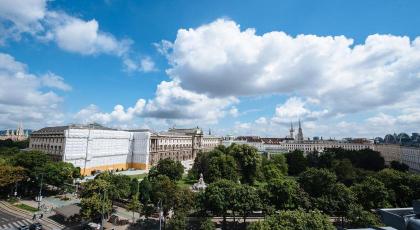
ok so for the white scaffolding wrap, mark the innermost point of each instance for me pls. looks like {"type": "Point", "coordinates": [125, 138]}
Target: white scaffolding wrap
{"type": "Point", "coordinates": [88, 148]}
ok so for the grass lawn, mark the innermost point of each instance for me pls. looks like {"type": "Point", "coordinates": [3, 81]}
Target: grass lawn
{"type": "Point", "coordinates": [185, 182]}
{"type": "Point", "coordinates": [26, 207]}
{"type": "Point", "coordinates": [139, 176]}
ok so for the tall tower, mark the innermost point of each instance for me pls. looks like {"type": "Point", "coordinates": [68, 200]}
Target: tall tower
{"type": "Point", "coordinates": [300, 133]}
{"type": "Point", "coordinates": [291, 130]}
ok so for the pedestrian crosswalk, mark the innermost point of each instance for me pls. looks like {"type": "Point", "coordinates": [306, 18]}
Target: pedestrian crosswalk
{"type": "Point", "coordinates": [15, 224]}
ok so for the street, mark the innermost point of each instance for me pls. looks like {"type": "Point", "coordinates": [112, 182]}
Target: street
{"type": "Point", "coordinates": [9, 221]}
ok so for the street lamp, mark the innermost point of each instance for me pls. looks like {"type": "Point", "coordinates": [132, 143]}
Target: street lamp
{"type": "Point", "coordinates": [39, 197]}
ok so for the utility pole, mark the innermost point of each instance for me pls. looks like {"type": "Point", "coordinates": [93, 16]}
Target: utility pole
{"type": "Point", "coordinates": [102, 212]}
{"type": "Point", "coordinates": [39, 199]}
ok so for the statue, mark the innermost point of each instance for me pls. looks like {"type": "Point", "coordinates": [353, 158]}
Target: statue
{"type": "Point", "coordinates": [200, 185]}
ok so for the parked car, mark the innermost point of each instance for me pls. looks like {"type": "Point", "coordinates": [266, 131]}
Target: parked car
{"type": "Point", "coordinates": [25, 227]}
{"type": "Point", "coordinates": [35, 226]}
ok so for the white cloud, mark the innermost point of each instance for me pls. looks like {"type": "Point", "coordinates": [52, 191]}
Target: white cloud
{"type": "Point", "coordinates": [52, 80]}
{"type": "Point", "coordinates": [295, 108]}
{"type": "Point", "coordinates": [171, 102]}
{"type": "Point", "coordinates": [220, 59]}
{"type": "Point", "coordinates": [146, 64]}
{"type": "Point", "coordinates": [234, 112]}
{"type": "Point", "coordinates": [27, 97]}
{"type": "Point", "coordinates": [84, 37]}
{"type": "Point", "coordinates": [17, 16]}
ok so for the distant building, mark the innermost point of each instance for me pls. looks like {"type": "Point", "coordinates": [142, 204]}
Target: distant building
{"type": "Point", "coordinates": [15, 135]}
{"type": "Point", "coordinates": [94, 147]}
{"type": "Point", "coordinates": [390, 152]}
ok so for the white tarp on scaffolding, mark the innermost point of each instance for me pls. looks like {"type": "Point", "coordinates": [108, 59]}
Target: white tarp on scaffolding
{"type": "Point", "coordinates": [87, 148]}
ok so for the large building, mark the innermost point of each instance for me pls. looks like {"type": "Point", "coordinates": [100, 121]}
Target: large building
{"type": "Point", "coordinates": [15, 135]}
{"type": "Point", "coordinates": [94, 147]}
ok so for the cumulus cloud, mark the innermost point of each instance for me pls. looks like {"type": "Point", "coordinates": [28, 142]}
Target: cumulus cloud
{"type": "Point", "coordinates": [70, 33]}
{"type": "Point", "coordinates": [171, 102]}
{"type": "Point", "coordinates": [296, 108]}
{"type": "Point", "coordinates": [220, 59]}
{"type": "Point", "coordinates": [28, 97]}
{"type": "Point", "coordinates": [18, 16]}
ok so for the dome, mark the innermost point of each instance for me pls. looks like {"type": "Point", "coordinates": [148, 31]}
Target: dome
{"type": "Point", "coordinates": [389, 139]}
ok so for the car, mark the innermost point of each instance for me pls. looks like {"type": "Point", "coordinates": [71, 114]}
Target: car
{"type": "Point", "coordinates": [25, 227]}
{"type": "Point", "coordinates": [35, 226]}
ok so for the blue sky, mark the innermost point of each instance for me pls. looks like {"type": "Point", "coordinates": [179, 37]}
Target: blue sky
{"type": "Point", "coordinates": [238, 67]}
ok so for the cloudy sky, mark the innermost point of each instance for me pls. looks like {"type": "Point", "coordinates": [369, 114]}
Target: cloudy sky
{"type": "Point", "coordinates": [237, 67]}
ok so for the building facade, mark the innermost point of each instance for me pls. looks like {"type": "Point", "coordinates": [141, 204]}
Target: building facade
{"type": "Point", "coordinates": [411, 157]}
{"type": "Point", "coordinates": [390, 152]}
{"type": "Point", "coordinates": [94, 147]}
{"type": "Point", "coordinates": [15, 135]}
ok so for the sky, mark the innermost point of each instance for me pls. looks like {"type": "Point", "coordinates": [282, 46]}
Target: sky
{"type": "Point", "coordinates": [344, 68]}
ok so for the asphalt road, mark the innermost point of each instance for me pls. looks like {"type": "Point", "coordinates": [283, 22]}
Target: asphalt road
{"type": "Point", "coordinates": [9, 221]}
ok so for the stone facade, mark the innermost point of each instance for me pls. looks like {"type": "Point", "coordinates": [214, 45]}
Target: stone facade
{"type": "Point", "coordinates": [389, 152]}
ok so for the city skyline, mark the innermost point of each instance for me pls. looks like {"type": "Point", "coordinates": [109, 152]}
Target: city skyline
{"type": "Point", "coordinates": [343, 70]}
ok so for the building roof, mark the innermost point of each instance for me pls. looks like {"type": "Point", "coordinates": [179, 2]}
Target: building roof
{"type": "Point", "coordinates": [60, 129]}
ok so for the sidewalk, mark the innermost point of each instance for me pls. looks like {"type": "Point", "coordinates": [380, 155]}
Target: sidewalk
{"type": "Point", "coordinates": [47, 223]}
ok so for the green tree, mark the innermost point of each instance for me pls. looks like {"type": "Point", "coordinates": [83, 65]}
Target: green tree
{"type": "Point", "coordinates": [398, 186]}
{"type": "Point", "coordinates": [164, 191]}
{"type": "Point", "coordinates": [60, 174]}
{"type": "Point", "coordinates": [170, 168]}
{"type": "Point", "coordinates": [294, 220]}
{"type": "Point", "coordinates": [219, 197]}
{"type": "Point", "coordinates": [248, 160]}
{"type": "Point", "coordinates": [207, 224]}
{"type": "Point", "coordinates": [11, 175]}
{"type": "Point", "coordinates": [119, 185]}
{"type": "Point", "coordinates": [178, 222]}
{"type": "Point", "coordinates": [317, 182]}
{"type": "Point", "coordinates": [357, 217]}
{"type": "Point", "coordinates": [247, 200]}
{"type": "Point", "coordinates": [344, 170]}
{"type": "Point", "coordinates": [145, 189]}
{"type": "Point", "coordinates": [223, 166]}
{"type": "Point", "coordinates": [296, 162]}
{"type": "Point", "coordinates": [399, 166]}
{"type": "Point", "coordinates": [279, 160]}
{"type": "Point", "coordinates": [95, 200]}
{"type": "Point", "coordinates": [286, 193]}
{"type": "Point", "coordinates": [134, 206]}
{"type": "Point", "coordinates": [371, 193]}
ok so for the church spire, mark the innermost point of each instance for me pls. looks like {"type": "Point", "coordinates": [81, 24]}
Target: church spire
{"type": "Point", "coordinates": [300, 133]}
{"type": "Point", "coordinates": [291, 130]}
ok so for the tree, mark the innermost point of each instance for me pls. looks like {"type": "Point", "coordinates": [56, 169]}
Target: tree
{"type": "Point", "coordinates": [207, 224]}
{"type": "Point", "coordinates": [33, 161]}
{"type": "Point", "coordinates": [145, 189]}
{"type": "Point", "coordinates": [170, 168]}
{"type": "Point", "coordinates": [279, 160]}
{"type": "Point", "coordinates": [344, 170]}
{"type": "Point", "coordinates": [163, 191]}
{"type": "Point", "coordinates": [370, 160]}
{"type": "Point", "coordinates": [219, 197]}
{"type": "Point", "coordinates": [357, 217]}
{"type": "Point", "coordinates": [95, 201]}
{"type": "Point", "coordinates": [270, 171]}
{"type": "Point", "coordinates": [223, 166]}
{"type": "Point", "coordinates": [294, 220]}
{"type": "Point", "coordinates": [296, 162]}
{"type": "Point", "coordinates": [399, 166]}
{"type": "Point", "coordinates": [60, 174]}
{"type": "Point", "coordinates": [119, 185]}
{"type": "Point", "coordinates": [317, 182]}
{"type": "Point", "coordinates": [398, 186]}
{"type": "Point", "coordinates": [134, 206]}
{"type": "Point", "coordinates": [11, 175]}
{"type": "Point", "coordinates": [286, 194]}
{"type": "Point", "coordinates": [178, 221]}
{"type": "Point", "coordinates": [371, 193]}
{"type": "Point", "coordinates": [248, 160]}
{"type": "Point", "coordinates": [247, 200]}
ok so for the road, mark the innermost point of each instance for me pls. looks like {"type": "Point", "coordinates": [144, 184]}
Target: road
{"type": "Point", "coordinates": [9, 221]}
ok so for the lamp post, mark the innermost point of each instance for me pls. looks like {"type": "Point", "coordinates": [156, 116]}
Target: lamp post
{"type": "Point", "coordinates": [102, 212]}
{"type": "Point", "coordinates": [39, 197]}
